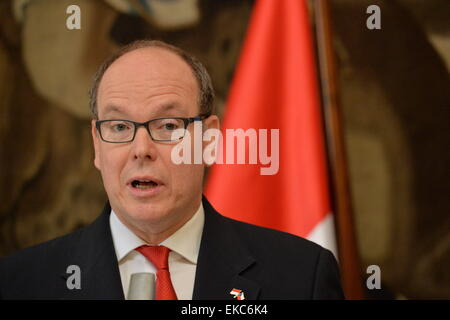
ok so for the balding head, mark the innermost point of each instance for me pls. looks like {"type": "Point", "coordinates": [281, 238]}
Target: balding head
{"type": "Point", "coordinates": [206, 90]}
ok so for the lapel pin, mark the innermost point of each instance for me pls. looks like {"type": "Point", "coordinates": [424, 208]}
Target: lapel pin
{"type": "Point", "coordinates": [238, 294]}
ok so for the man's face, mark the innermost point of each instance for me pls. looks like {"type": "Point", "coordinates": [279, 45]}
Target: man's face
{"type": "Point", "coordinates": [142, 85]}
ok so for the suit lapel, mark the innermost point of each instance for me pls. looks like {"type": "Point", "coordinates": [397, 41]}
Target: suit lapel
{"type": "Point", "coordinates": [95, 255]}
{"type": "Point", "coordinates": [222, 260]}
{"type": "Point", "coordinates": [221, 263]}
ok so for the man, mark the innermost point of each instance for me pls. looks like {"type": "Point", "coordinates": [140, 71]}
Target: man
{"type": "Point", "coordinates": [145, 100]}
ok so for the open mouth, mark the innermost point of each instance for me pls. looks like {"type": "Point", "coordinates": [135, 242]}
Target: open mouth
{"type": "Point", "coordinates": [144, 184]}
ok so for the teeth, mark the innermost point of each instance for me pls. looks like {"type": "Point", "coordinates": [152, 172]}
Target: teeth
{"type": "Point", "coordinates": [140, 186]}
{"type": "Point", "coordinates": [143, 184]}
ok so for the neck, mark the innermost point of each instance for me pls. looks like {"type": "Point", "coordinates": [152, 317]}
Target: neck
{"type": "Point", "coordinates": [155, 232]}
{"type": "Point", "coordinates": [154, 236]}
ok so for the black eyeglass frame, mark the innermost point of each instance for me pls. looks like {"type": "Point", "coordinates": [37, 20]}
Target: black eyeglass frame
{"type": "Point", "coordinates": [145, 124]}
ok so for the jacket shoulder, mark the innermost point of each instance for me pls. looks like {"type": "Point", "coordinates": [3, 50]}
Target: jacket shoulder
{"type": "Point", "coordinates": [274, 239]}
{"type": "Point", "coordinates": [38, 266]}
{"type": "Point", "coordinates": [37, 252]}
{"type": "Point", "coordinates": [289, 264]}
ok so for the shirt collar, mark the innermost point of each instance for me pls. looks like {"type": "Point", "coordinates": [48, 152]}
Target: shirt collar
{"type": "Point", "coordinates": [185, 241]}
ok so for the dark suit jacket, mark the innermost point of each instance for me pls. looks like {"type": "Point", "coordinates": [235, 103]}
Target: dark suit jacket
{"type": "Point", "coordinates": [264, 263]}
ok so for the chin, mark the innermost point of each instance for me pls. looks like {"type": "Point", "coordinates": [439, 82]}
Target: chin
{"type": "Point", "coordinates": [146, 211]}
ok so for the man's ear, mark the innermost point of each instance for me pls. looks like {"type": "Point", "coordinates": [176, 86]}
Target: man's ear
{"type": "Point", "coordinates": [212, 122]}
{"type": "Point", "coordinates": [96, 142]}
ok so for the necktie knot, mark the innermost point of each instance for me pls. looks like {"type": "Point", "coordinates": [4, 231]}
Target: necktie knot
{"type": "Point", "coordinates": [158, 256]}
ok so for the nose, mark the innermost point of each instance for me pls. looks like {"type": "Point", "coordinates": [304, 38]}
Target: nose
{"type": "Point", "coordinates": [143, 145]}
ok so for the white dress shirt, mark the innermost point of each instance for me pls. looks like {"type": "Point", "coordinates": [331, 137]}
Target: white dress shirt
{"type": "Point", "coordinates": [184, 245]}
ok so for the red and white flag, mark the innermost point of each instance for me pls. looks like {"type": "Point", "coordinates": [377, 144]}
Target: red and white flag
{"type": "Point", "coordinates": [276, 87]}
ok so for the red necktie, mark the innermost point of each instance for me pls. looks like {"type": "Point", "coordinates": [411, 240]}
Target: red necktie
{"type": "Point", "coordinates": [159, 257]}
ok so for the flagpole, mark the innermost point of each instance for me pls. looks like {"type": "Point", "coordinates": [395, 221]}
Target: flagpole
{"type": "Point", "coordinates": [341, 200]}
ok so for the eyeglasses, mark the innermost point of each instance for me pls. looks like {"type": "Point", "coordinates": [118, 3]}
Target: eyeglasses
{"type": "Point", "coordinates": [160, 129]}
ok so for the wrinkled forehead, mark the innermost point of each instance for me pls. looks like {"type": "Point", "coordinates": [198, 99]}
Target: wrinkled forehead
{"type": "Point", "coordinates": [147, 70]}
{"type": "Point", "coordinates": [151, 61]}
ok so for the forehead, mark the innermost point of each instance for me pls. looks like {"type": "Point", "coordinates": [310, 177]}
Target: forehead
{"type": "Point", "coordinates": [146, 77]}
